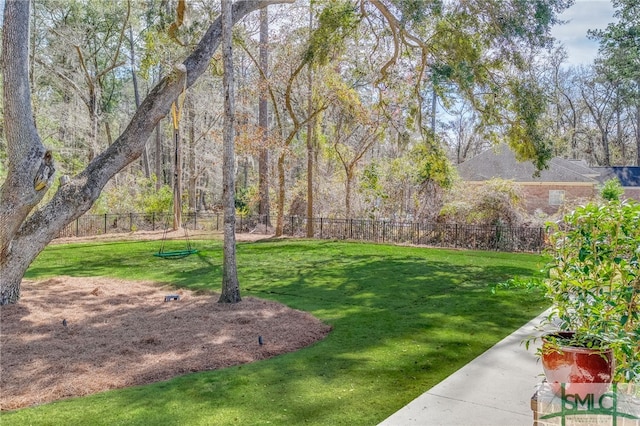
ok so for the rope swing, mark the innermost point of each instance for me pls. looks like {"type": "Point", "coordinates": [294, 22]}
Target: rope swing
{"type": "Point", "coordinates": [176, 109]}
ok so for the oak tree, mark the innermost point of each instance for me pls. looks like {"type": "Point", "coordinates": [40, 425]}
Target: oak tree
{"type": "Point", "coordinates": [25, 227]}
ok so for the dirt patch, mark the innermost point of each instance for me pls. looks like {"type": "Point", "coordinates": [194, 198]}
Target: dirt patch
{"type": "Point", "coordinates": [120, 333]}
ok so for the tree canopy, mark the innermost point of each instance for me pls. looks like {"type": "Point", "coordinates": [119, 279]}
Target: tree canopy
{"type": "Point", "coordinates": [365, 105]}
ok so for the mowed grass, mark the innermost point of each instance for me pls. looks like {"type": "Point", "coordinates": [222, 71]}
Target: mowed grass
{"type": "Point", "coordinates": [404, 318]}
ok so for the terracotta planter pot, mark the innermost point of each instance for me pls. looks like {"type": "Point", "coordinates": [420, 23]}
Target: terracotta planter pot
{"type": "Point", "coordinates": [582, 370]}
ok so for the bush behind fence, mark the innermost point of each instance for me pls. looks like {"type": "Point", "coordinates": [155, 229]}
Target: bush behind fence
{"type": "Point", "coordinates": [446, 235]}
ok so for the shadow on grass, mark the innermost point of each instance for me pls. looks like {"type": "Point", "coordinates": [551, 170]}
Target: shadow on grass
{"type": "Point", "coordinates": [403, 319]}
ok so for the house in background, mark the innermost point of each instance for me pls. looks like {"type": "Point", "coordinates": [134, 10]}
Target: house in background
{"type": "Point", "coordinates": [564, 181]}
{"type": "Point", "coordinates": [629, 178]}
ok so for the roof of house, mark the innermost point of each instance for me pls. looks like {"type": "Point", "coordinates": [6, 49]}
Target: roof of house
{"type": "Point", "coordinates": [629, 176]}
{"type": "Point", "coordinates": [500, 162]}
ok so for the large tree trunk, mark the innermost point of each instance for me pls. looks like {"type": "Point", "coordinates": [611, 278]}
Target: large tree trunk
{"type": "Point", "coordinates": [230, 285]}
{"type": "Point", "coordinates": [193, 174]}
{"type": "Point", "coordinates": [30, 170]}
{"type": "Point", "coordinates": [176, 112]}
{"type": "Point", "coordinates": [348, 184]}
{"type": "Point", "coordinates": [158, 160]}
{"type": "Point", "coordinates": [310, 126]}
{"type": "Point", "coordinates": [177, 179]}
{"type": "Point", "coordinates": [136, 95]}
{"type": "Point", "coordinates": [310, 156]}
{"type": "Point", "coordinates": [281, 188]}
{"type": "Point", "coordinates": [22, 189]}
{"type": "Point", "coordinates": [264, 208]}
{"type": "Point", "coordinates": [638, 135]}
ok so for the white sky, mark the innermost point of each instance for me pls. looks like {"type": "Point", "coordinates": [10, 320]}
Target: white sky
{"type": "Point", "coordinates": [582, 16]}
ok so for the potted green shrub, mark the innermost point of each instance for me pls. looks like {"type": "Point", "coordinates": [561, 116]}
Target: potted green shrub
{"type": "Point", "coordinates": [593, 283]}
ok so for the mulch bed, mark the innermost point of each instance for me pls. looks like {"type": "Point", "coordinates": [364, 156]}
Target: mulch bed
{"type": "Point", "coordinates": [121, 333]}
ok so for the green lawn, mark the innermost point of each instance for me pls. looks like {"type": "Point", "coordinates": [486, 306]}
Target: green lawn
{"type": "Point", "coordinates": [403, 318]}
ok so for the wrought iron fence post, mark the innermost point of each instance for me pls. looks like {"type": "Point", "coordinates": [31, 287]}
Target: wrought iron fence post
{"type": "Point", "coordinates": [384, 230]}
{"type": "Point", "coordinates": [455, 237]}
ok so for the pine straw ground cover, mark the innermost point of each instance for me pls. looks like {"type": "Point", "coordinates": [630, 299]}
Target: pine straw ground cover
{"type": "Point", "coordinates": [122, 333]}
{"type": "Point", "coordinates": [402, 319]}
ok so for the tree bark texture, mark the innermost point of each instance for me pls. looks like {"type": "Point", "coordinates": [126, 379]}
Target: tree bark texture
{"type": "Point", "coordinates": [177, 180]}
{"type": "Point", "coordinates": [310, 126]}
{"type": "Point", "coordinates": [136, 94]}
{"type": "Point", "coordinates": [158, 160]}
{"type": "Point", "coordinates": [348, 184]}
{"type": "Point", "coordinates": [230, 285]}
{"type": "Point", "coordinates": [638, 135]}
{"type": "Point", "coordinates": [24, 234]}
{"type": "Point", "coordinates": [281, 190]}
{"type": "Point", "coordinates": [264, 208]}
{"type": "Point", "coordinates": [192, 169]}
{"type": "Point", "coordinates": [26, 181]}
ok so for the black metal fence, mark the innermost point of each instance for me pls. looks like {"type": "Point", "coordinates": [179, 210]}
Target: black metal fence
{"type": "Point", "coordinates": [114, 223]}
{"type": "Point", "coordinates": [446, 235]}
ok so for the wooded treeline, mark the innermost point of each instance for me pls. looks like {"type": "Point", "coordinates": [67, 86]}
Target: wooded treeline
{"type": "Point", "coordinates": [367, 111]}
{"type": "Point", "coordinates": [369, 103]}
{"type": "Point", "coordinates": [341, 108]}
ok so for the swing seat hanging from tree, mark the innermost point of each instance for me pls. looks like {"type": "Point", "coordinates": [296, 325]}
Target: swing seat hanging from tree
{"type": "Point", "coordinates": [175, 254]}
{"type": "Point", "coordinates": [189, 250]}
